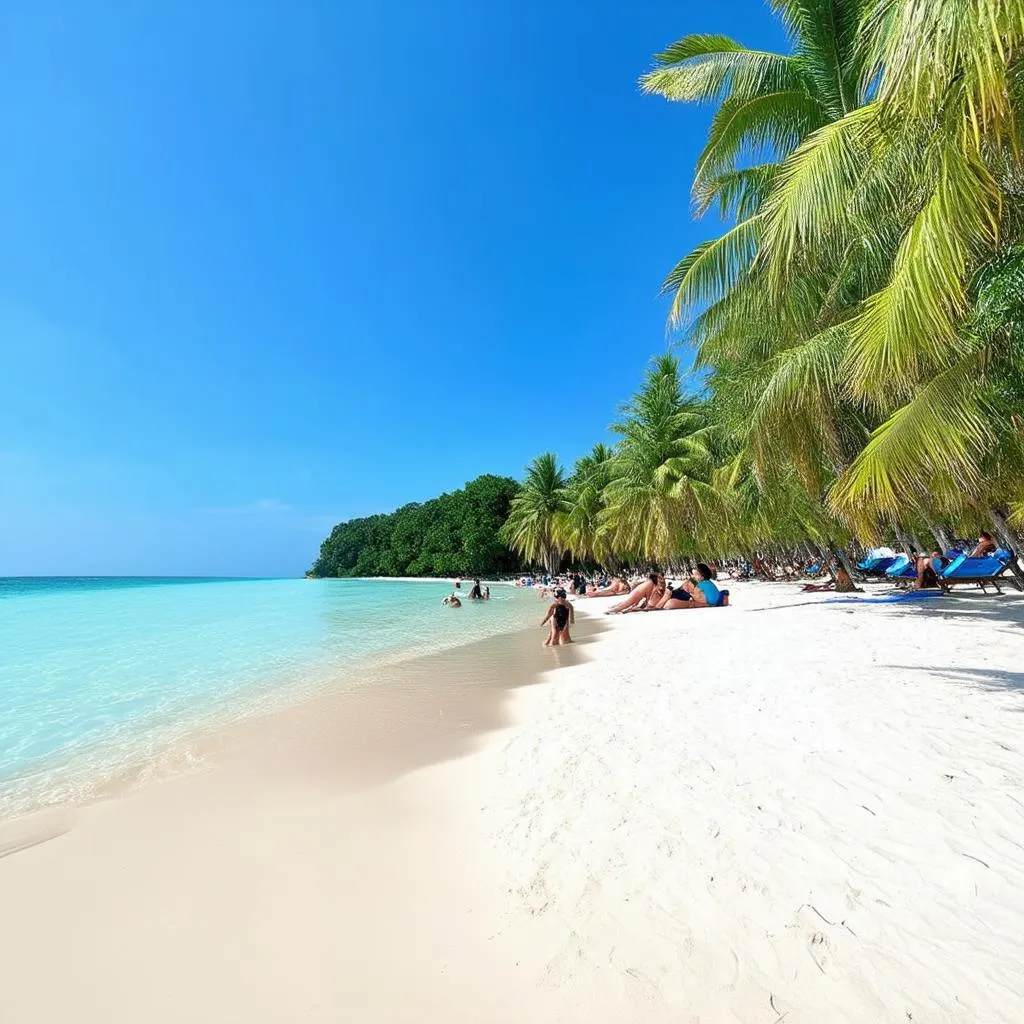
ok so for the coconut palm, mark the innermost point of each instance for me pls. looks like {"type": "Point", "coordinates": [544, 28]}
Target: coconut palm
{"type": "Point", "coordinates": [867, 366]}
{"type": "Point", "coordinates": [920, 191]}
{"type": "Point", "coordinates": [767, 104]}
{"type": "Point", "coordinates": [535, 524]}
{"type": "Point", "coordinates": [580, 532]}
{"type": "Point", "coordinates": [660, 495]}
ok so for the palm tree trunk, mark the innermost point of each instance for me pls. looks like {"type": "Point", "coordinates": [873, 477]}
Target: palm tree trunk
{"type": "Point", "coordinates": [941, 536]}
{"type": "Point", "coordinates": [904, 540]}
{"type": "Point", "coordinates": [1008, 536]}
{"type": "Point", "coordinates": [843, 572]}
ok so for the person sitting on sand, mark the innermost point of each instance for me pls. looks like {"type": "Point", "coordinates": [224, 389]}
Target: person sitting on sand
{"type": "Point", "coordinates": [452, 601]}
{"type": "Point", "coordinates": [985, 546]}
{"type": "Point", "coordinates": [674, 598]}
{"type": "Point", "coordinates": [705, 594]}
{"type": "Point", "coordinates": [650, 592]}
{"type": "Point", "coordinates": [700, 592]}
{"type": "Point", "coordinates": [561, 615]}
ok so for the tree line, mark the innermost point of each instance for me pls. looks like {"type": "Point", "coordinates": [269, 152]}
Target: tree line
{"type": "Point", "coordinates": [456, 534]}
{"type": "Point", "coordinates": [858, 327]}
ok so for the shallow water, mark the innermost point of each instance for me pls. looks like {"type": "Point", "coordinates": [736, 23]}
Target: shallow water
{"type": "Point", "coordinates": [96, 674]}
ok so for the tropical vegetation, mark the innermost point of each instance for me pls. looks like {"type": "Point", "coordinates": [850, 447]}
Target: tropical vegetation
{"type": "Point", "coordinates": [454, 534]}
{"type": "Point", "coordinates": [856, 327]}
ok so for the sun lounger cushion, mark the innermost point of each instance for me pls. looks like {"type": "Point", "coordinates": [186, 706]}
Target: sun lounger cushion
{"type": "Point", "coordinates": [972, 568]}
{"type": "Point", "coordinates": [901, 567]}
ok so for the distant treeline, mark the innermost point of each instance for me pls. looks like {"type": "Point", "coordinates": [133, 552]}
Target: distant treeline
{"type": "Point", "coordinates": [455, 534]}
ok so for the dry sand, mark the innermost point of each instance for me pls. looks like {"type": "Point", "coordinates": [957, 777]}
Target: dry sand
{"type": "Point", "coordinates": [782, 811]}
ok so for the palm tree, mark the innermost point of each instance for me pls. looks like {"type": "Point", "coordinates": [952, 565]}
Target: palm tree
{"type": "Point", "coordinates": [535, 523]}
{"type": "Point", "coordinates": [659, 494]}
{"type": "Point", "coordinates": [767, 104]}
{"type": "Point", "coordinates": [844, 322]}
{"type": "Point", "coordinates": [580, 530]}
{"type": "Point", "coordinates": [917, 196]}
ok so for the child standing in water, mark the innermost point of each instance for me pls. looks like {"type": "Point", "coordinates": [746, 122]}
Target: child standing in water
{"type": "Point", "coordinates": [562, 615]}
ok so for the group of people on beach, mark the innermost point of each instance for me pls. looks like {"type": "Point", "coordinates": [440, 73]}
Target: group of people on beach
{"type": "Point", "coordinates": [657, 594]}
{"type": "Point", "coordinates": [476, 593]}
{"type": "Point", "coordinates": [821, 574]}
{"type": "Point", "coordinates": [929, 567]}
{"type": "Point", "coordinates": [653, 593]}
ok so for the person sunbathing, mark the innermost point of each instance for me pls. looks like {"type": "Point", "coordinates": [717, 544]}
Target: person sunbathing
{"type": "Point", "coordinates": [699, 592]}
{"type": "Point", "coordinates": [985, 546]}
{"type": "Point", "coordinates": [617, 586]}
{"type": "Point", "coordinates": [650, 591]}
{"type": "Point", "coordinates": [676, 598]}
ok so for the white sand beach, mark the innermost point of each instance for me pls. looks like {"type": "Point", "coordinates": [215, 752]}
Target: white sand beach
{"type": "Point", "coordinates": [780, 811]}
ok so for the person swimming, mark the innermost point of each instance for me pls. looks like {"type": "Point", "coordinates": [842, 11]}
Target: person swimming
{"type": "Point", "coordinates": [476, 594]}
{"type": "Point", "coordinates": [452, 601]}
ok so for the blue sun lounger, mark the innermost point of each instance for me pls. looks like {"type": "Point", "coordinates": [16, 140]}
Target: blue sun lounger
{"type": "Point", "coordinates": [901, 569]}
{"type": "Point", "coordinates": [876, 566]}
{"type": "Point", "coordinates": [988, 571]}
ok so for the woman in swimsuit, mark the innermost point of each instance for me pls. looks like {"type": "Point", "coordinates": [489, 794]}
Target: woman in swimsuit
{"type": "Point", "coordinates": [562, 615]}
{"type": "Point", "coordinates": [647, 595]}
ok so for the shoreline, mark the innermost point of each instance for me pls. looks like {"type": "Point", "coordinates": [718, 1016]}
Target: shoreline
{"type": "Point", "coordinates": [137, 754]}
{"type": "Point", "coordinates": [779, 809]}
{"type": "Point", "coordinates": [319, 850]}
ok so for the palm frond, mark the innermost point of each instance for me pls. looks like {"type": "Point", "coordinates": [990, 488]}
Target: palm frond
{"type": "Point", "coordinates": [910, 327]}
{"type": "Point", "coordinates": [813, 190]}
{"type": "Point", "coordinates": [712, 268]}
{"type": "Point", "coordinates": [925, 453]}
{"type": "Point", "coordinates": [705, 67]}
{"type": "Point", "coordinates": [770, 123]}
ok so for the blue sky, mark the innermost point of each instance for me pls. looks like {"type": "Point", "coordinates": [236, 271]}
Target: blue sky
{"type": "Point", "coordinates": [269, 266]}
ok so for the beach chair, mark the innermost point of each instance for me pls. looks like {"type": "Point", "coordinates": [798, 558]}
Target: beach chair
{"type": "Point", "coordinates": [876, 566]}
{"type": "Point", "coordinates": [983, 572]}
{"type": "Point", "coordinates": [902, 568]}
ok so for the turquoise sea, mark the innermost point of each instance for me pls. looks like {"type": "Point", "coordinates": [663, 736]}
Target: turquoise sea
{"type": "Point", "coordinates": [99, 673]}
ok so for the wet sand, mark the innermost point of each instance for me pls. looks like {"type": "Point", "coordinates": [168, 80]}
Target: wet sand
{"type": "Point", "coordinates": [325, 862]}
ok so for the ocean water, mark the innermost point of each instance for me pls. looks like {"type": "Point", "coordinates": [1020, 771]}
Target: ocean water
{"type": "Point", "coordinates": [98, 673]}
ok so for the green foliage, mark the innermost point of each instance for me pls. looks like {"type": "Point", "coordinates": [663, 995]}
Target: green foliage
{"type": "Point", "coordinates": [860, 317]}
{"type": "Point", "coordinates": [455, 534]}
{"type": "Point", "coordinates": [535, 526]}
{"type": "Point", "coordinates": [858, 323]}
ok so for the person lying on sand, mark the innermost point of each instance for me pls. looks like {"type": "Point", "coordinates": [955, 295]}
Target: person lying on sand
{"type": "Point", "coordinates": [676, 598]}
{"type": "Point", "coordinates": [648, 593]}
{"type": "Point", "coordinates": [617, 586]}
{"type": "Point", "coordinates": [561, 615]}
